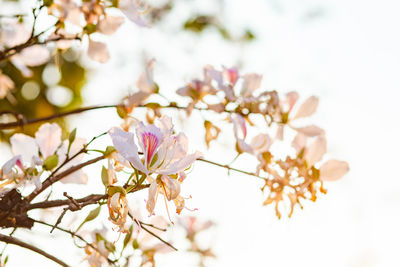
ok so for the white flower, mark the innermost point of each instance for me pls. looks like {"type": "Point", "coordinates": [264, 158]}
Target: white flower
{"type": "Point", "coordinates": [6, 85]}
{"type": "Point", "coordinates": [47, 142]}
{"type": "Point", "coordinates": [162, 152]}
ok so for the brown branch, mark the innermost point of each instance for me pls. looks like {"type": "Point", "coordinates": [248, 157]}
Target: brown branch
{"type": "Point", "coordinates": [229, 168]}
{"type": "Point", "coordinates": [23, 122]}
{"type": "Point", "coordinates": [33, 40]}
{"type": "Point", "coordinates": [77, 236]}
{"type": "Point", "coordinates": [17, 242]}
{"type": "Point", "coordinates": [151, 233]}
{"type": "Point", "coordinates": [88, 200]}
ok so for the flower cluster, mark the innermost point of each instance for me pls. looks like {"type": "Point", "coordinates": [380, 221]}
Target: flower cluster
{"type": "Point", "coordinates": [45, 152]}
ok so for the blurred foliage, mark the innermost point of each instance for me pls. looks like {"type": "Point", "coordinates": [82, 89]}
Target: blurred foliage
{"type": "Point", "coordinates": [43, 102]}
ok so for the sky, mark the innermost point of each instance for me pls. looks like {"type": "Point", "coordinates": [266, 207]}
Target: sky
{"type": "Point", "coordinates": [346, 53]}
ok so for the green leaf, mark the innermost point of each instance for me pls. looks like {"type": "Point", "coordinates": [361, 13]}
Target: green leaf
{"type": "Point", "coordinates": [122, 113]}
{"type": "Point", "coordinates": [90, 28]}
{"type": "Point", "coordinates": [135, 244]}
{"type": "Point", "coordinates": [91, 216]}
{"type": "Point", "coordinates": [47, 2]}
{"type": "Point", "coordinates": [116, 189]}
{"type": "Point", "coordinates": [50, 162]}
{"type": "Point", "coordinates": [104, 176]}
{"type": "Point", "coordinates": [71, 139]}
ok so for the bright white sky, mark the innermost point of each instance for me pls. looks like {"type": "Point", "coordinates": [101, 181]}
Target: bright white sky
{"type": "Point", "coordinates": [348, 56]}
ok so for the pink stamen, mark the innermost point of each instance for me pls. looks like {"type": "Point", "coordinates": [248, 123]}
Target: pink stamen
{"type": "Point", "coordinates": [150, 142]}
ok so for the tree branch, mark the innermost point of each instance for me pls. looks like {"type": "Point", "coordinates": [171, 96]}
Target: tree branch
{"type": "Point", "coordinates": [52, 179]}
{"type": "Point", "coordinates": [17, 242]}
{"type": "Point", "coordinates": [22, 122]}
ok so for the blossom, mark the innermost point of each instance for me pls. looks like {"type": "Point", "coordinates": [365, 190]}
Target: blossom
{"type": "Point", "coordinates": [146, 86]}
{"type": "Point", "coordinates": [97, 257]}
{"type": "Point", "coordinates": [163, 153]}
{"type": "Point", "coordinates": [47, 143]}
{"type": "Point", "coordinates": [134, 9]}
{"type": "Point", "coordinates": [6, 85]}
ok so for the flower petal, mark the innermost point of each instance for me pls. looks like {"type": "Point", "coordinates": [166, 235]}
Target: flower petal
{"type": "Point", "coordinates": [110, 24]}
{"type": "Point", "coordinates": [124, 143]}
{"type": "Point", "coordinates": [25, 146]}
{"type": "Point", "coordinates": [98, 51]}
{"type": "Point", "coordinates": [333, 170]}
{"type": "Point", "coordinates": [152, 199]}
{"type": "Point", "coordinates": [307, 108]}
{"type": "Point", "coordinates": [48, 138]}
{"type": "Point", "coordinates": [315, 151]}
{"type": "Point", "coordinates": [310, 131]}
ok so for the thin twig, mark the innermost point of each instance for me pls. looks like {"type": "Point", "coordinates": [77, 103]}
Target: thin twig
{"type": "Point", "coordinates": [151, 233]}
{"type": "Point", "coordinates": [52, 179]}
{"type": "Point", "coordinates": [77, 236]}
{"type": "Point", "coordinates": [21, 123]}
{"type": "Point", "coordinates": [17, 242]}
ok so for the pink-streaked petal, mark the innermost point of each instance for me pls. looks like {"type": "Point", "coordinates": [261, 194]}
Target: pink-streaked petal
{"type": "Point", "coordinates": [307, 108]}
{"type": "Point", "coordinates": [48, 138]}
{"type": "Point", "coordinates": [333, 170]}
{"type": "Point", "coordinates": [25, 146]}
{"type": "Point", "coordinates": [316, 150]}
{"type": "Point", "coordinates": [232, 75]}
{"type": "Point", "coordinates": [7, 167]}
{"type": "Point", "coordinates": [124, 143]}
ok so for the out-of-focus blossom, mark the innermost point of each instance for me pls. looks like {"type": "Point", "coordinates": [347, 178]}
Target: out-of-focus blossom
{"type": "Point", "coordinates": [6, 85]}
{"type": "Point", "coordinates": [286, 115]}
{"type": "Point", "coordinates": [134, 10]}
{"type": "Point", "coordinates": [259, 143]}
{"type": "Point", "coordinates": [333, 170]}
{"type": "Point", "coordinates": [109, 24]}
{"type": "Point", "coordinates": [97, 257]}
{"type": "Point", "coordinates": [146, 86]}
{"type": "Point", "coordinates": [98, 51]}
{"type": "Point", "coordinates": [47, 143]}
{"type": "Point", "coordinates": [198, 89]}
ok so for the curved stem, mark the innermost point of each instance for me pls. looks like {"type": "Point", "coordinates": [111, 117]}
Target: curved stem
{"type": "Point", "coordinates": [17, 242]}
